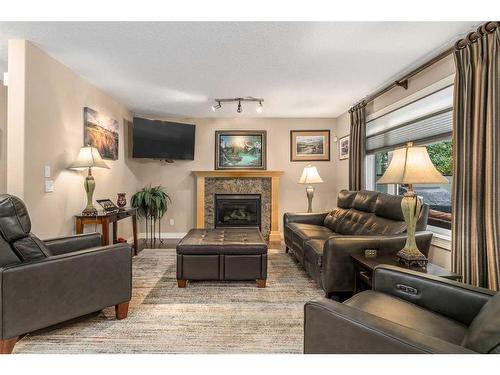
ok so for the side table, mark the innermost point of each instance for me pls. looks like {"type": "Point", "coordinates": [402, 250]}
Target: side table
{"type": "Point", "coordinates": [104, 219]}
{"type": "Point", "coordinates": [363, 270]}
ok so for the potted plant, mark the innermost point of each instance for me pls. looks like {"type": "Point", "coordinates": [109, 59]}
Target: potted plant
{"type": "Point", "coordinates": [152, 204]}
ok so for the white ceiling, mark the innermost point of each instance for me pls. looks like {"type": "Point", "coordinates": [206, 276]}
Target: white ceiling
{"type": "Point", "coordinates": [176, 69]}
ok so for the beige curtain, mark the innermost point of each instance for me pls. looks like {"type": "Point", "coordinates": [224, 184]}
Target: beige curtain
{"type": "Point", "coordinates": [357, 149]}
{"type": "Point", "coordinates": [476, 143]}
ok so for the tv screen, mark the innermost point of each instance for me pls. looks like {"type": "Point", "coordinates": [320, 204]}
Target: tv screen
{"type": "Point", "coordinates": [154, 139]}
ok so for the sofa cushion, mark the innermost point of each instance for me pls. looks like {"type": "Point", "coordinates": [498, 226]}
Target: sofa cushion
{"type": "Point", "coordinates": [379, 225]}
{"type": "Point", "coordinates": [346, 198]}
{"type": "Point", "coordinates": [483, 335]}
{"type": "Point", "coordinates": [309, 231]}
{"type": "Point", "coordinates": [334, 218]}
{"type": "Point", "coordinates": [7, 255]}
{"type": "Point", "coordinates": [389, 206]}
{"type": "Point", "coordinates": [409, 315]}
{"type": "Point", "coordinates": [365, 200]}
{"type": "Point", "coordinates": [14, 219]}
{"type": "Point", "coordinates": [354, 222]}
{"type": "Point", "coordinates": [313, 251]}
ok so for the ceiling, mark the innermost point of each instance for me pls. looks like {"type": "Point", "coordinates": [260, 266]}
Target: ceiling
{"type": "Point", "coordinates": [176, 69]}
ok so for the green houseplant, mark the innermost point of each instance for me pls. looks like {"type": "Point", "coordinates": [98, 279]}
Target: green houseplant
{"type": "Point", "coordinates": [152, 204]}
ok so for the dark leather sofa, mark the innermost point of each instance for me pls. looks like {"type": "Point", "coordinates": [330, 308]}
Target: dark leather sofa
{"type": "Point", "coordinates": [406, 312]}
{"type": "Point", "coordinates": [323, 242]}
{"type": "Point", "coordinates": [43, 283]}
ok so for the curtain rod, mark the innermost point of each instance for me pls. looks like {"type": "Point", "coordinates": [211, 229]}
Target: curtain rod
{"type": "Point", "coordinates": [403, 81]}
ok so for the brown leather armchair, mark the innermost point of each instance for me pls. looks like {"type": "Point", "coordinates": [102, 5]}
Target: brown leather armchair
{"type": "Point", "coordinates": [43, 283]}
{"type": "Point", "coordinates": [407, 312]}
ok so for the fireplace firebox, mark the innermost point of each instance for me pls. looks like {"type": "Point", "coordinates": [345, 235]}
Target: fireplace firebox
{"type": "Point", "coordinates": [237, 210]}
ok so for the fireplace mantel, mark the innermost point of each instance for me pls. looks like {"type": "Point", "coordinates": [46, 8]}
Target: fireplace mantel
{"type": "Point", "coordinates": [274, 235]}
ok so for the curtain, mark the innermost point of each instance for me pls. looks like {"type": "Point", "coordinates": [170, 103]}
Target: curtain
{"type": "Point", "coordinates": [357, 147]}
{"type": "Point", "coordinates": [476, 144]}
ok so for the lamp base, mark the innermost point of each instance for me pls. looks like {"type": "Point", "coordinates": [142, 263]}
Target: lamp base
{"type": "Point", "coordinates": [310, 196]}
{"type": "Point", "coordinates": [89, 211]}
{"type": "Point", "coordinates": [411, 258]}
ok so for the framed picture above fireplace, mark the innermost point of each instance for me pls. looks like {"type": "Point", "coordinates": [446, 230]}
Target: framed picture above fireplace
{"type": "Point", "coordinates": [240, 149]}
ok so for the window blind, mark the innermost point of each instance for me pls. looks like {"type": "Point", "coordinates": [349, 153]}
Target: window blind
{"type": "Point", "coordinates": [427, 119]}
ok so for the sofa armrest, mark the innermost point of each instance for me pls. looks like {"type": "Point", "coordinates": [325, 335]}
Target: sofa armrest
{"type": "Point", "coordinates": [305, 218]}
{"type": "Point", "coordinates": [58, 288]}
{"type": "Point", "coordinates": [338, 268]}
{"type": "Point", "coordinates": [450, 298]}
{"type": "Point", "coordinates": [68, 244]}
{"type": "Point", "coordinates": [334, 328]}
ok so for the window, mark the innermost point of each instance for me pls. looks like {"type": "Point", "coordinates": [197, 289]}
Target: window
{"type": "Point", "coordinates": [426, 121]}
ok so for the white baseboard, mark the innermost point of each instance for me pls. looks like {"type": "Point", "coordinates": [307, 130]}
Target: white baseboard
{"type": "Point", "coordinates": [164, 235]}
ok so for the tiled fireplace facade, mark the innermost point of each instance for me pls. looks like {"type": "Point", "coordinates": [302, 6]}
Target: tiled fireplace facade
{"type": "Point", "coordinates": [237, 185]}
{"type": "Point", "coordinates": [264, 183]}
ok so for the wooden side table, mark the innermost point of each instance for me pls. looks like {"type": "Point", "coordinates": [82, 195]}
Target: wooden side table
{"type": "Point", "coordinates": [104, 219]}
{"type": "Point", "coordinates": [363, 270]}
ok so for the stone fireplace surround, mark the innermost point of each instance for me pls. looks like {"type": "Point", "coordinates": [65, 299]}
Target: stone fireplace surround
{"type": "Point", "coordinates": [265, 183]}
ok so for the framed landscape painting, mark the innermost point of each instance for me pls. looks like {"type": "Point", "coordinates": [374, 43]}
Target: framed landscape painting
{"type": "Point", "coordinates": [309, 145]}
{"type": "Point", "coordinates": [344, 147]}
{"type": "Point", "coordinates": [240, 149]}
{"type": "Point", "coordinates": [101, 132]}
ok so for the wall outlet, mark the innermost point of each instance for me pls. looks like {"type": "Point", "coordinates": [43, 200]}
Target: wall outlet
{"type": "Point", "coordinates": [172, 222]}
{"type": "Point", "coordinates": [46, 171]}
{"type": "Point", "coordinates": [49, 186]}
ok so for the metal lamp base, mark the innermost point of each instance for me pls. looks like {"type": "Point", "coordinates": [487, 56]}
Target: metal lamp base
{"type": "Point", "coordinates": [310, 196]}
{"type": "Point", "coordinates": [89, 186]}
{"type": "Point", "coordinates": [412, 259]}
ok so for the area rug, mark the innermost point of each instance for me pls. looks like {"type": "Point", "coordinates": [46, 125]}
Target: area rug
{"type": "Point", "coordinates": [205, 317]}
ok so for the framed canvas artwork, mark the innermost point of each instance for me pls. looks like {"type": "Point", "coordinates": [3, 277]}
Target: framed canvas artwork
{"type": "Point", "coordinates": [101, 132]}
{"type": "Point", "coordinates": [309, 145]}
{"type": "Point", "coordinates": [344, 147]}
{"type": "Point", "coordinates": [240, 149]}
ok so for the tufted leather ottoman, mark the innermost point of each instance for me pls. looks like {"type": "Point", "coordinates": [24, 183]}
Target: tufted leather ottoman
{"type": "Point", "coordinates": [222, 254]}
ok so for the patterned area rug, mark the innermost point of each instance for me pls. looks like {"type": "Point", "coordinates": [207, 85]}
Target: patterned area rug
{"type": "Point", "coordinates": [205, 317]}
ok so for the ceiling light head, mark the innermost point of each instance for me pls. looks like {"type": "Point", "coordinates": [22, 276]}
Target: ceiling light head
{"type": "Point", "coordinates": [216, 107]}
{"type": "Point", "coordinates": [260, 108]}
{"type": "Point", "coordinates": [239, 110]}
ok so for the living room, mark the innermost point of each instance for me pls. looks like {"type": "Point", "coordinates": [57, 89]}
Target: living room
{"type": "Point", "coordinates": [249, 187]}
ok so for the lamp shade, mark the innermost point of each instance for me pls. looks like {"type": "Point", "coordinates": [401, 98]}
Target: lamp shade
{"type": "Point", "coordinates": [88, 157]}
{"type": "Point", "coordinates": [411, 165]}
{"type": "Point", "coordinates": [310, 175]}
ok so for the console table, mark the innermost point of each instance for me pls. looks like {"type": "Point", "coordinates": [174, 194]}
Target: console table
{"type": "Point", "coordinates": [104, 219]}
{"type": "Point", "coordinates": [363, 270]}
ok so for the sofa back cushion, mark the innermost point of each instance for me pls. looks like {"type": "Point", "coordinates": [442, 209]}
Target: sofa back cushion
{"type": "Point", "coordinates": [346, 198]}
{"type": "Point", "coordinates": [365, 201]}
{"type": "Point", "coordinates": [7, 255]}
{"type": "Point", "coordinates": [483, 335]}
{"type": "Point", "coordinates": [15, 227]}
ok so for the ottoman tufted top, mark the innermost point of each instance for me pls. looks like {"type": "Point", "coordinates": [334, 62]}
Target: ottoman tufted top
{"type": "Point", "coordinates": [242, 241]}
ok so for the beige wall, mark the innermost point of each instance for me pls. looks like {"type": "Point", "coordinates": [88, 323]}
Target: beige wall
{"type": "Point", "coordinates": [180, 183]}
{"type": "Point", "coordinates": [3, 138]}
{"type": "Point", "coordinates": [48, 124]}
{"type": "Point", "coordinates": [436, 72]}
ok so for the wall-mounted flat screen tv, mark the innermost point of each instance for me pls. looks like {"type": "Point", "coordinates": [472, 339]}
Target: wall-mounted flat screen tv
{"type": "Point", "coordinates": [164, 140]}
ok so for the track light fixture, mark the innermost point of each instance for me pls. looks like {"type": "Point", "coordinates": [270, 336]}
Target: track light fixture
{"type": "Point", "coordinates": [239, 108]}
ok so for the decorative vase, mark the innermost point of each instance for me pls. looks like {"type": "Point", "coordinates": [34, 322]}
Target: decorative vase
{"type": "Point", "coordinates": [122, 200]}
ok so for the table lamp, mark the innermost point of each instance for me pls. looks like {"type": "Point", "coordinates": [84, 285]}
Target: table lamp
{"type": "Point", "coordinates": [411, 165]}
{"type": "Point", "coordinates": [89, 157]}
{"type": "Point", "coordinates": [310, 176]}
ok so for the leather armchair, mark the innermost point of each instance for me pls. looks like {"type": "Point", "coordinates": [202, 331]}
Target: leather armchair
{"type": "Point", "coordinates": [43, 283]}
{"type": "Point", "coordinates": [406, 312]}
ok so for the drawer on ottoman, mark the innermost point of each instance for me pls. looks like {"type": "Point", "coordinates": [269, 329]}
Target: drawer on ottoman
{"type": "Point", "coordinates": [198, 267]}
{"type": "Point", "coordinates": [243, 267]}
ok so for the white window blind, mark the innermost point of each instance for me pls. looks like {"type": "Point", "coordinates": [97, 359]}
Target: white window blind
{"type": "Point", "coordinates": [426, 119]}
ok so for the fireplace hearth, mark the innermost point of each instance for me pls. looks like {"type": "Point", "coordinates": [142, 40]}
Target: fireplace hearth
{"type": "Point", "coordinates": [238, 210]}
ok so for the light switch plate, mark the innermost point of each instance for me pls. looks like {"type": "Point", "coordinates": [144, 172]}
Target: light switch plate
{"type": "Point", "coordinates": [49, 186]}
{"type": "Point", "coordinates": [46, 171]}
{"type": "Point", "coordinates": [172, 222]}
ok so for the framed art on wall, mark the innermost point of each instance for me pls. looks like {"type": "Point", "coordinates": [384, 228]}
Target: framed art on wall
{"type": "Point", "coordinates": [101, 132]}
{"type": "Point", "coordinates": [240, 149]}
{"type": "Point", "coordinates": [344, 147]}
{"type": "Point", "coordinates": [309, 145]}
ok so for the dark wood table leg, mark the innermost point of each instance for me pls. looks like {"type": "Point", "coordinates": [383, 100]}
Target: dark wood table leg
{"type": "Point", "coordinates": [105, 231]}
{"type": "Point", "coordinates": [115, 232]}
{"type": "Point", "coordinates": [121, 310]}
{"type": "Point", "coordinates": [134, 230]}
{"type": "Point", "coordinates": [79, 225]}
